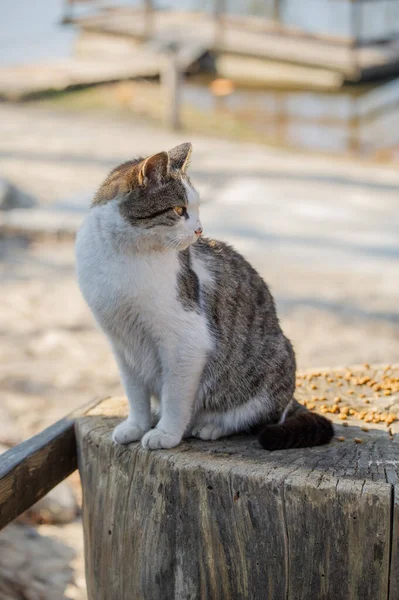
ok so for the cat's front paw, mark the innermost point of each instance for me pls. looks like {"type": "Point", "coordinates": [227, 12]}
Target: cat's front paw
{"type": "Point", "coordinates": [207, 432]}
{"type": "Point", "coordinates": [157, 438]}
{"type": "Point", "coordinates": [127, 432]}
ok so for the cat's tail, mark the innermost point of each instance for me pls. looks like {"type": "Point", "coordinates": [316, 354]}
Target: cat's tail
{"type": "Point", "coordinates": [298, 428]}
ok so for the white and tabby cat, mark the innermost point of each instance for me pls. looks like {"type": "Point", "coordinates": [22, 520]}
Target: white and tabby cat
{"type": "Point", "coordinates": [192, 325]}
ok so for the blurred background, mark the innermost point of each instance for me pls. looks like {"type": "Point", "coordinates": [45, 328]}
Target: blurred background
{"type": "Point", "coordinates": [293, 111]}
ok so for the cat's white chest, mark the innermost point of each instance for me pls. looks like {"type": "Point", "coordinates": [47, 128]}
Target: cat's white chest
{"type": "Point", "coordinates": [122, 287]}
{"type": "Point", "coordinates": [133, 297]}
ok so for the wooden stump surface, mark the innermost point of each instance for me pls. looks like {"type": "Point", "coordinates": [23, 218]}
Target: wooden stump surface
{"type": "Point", "coordinates": [227, 519]}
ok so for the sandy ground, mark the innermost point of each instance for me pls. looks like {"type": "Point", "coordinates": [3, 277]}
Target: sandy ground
{"type": "Point", "coordinates": [324, 235]}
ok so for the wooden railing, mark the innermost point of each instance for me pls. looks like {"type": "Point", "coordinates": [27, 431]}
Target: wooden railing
{"type": "Point", "coordinates": [31, 469]}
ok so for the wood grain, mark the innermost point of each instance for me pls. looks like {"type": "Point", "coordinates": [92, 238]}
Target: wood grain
{"type": "Point", "coordinates": [227, 519]}
{"type": "Point", "coordinates": [31, 469]}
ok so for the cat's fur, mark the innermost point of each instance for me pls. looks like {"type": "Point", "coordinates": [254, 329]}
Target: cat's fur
{"type": "Point", "coordinates": [190, 322]}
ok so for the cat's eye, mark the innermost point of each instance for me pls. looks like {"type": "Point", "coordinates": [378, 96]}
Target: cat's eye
{"type": "Point", "coordinates": [180, 210]}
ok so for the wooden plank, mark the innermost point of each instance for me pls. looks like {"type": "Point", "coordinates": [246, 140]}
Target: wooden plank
{"type": "Point", "coordinates": [27, 81]}
{"type": "Point", "coordinates": [31, 469]}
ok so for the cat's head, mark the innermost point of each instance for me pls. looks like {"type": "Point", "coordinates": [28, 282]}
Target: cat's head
{"type": "Point", "coordinates": [156, 199]}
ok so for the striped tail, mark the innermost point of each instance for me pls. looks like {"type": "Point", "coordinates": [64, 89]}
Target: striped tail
{"type": "Point", "coordinates": [301, 429]}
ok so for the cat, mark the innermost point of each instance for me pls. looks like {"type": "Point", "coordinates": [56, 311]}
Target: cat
{"type": "Point", "coordinates": [191, 323]}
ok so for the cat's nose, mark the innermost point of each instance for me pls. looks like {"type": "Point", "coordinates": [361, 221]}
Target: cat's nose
{"type": "Point", "coordinates": [198, 231]}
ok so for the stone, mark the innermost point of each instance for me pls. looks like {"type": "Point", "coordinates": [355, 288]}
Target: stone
{"type": "Point", "coordinates": [12, 197]}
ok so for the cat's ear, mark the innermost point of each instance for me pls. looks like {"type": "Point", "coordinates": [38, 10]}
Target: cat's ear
{"type": "Point", "coordinates": [180, 156]}
{"type": "Point", "coordinates": [154, 169]}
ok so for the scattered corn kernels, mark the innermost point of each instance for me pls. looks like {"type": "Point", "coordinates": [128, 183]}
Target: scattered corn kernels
{"type": "Point", "coordinates": [390, 419]}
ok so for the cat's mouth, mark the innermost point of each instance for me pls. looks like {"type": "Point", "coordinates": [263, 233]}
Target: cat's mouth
{"type": "Point", "coordinates": [190, 241]}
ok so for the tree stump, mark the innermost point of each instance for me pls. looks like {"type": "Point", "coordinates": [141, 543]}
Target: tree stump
{"type": "Point", "coordinates": [229, 520]}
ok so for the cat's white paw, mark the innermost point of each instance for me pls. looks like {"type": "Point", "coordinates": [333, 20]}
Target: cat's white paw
{"type": "Point", "coordinates": [207, 432]}
{"type": "Point", "coordinates": [157, 438]}
{"type": "Point", "coordinates": [127, 432]}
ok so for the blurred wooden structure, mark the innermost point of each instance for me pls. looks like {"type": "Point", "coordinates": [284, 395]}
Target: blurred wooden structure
{"type": "Point", "coordinates": [342, 121]}
{"type": "Point", "coordinates": [227, 519]}
{"type": "Point", "coordinates": [356, 38]}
